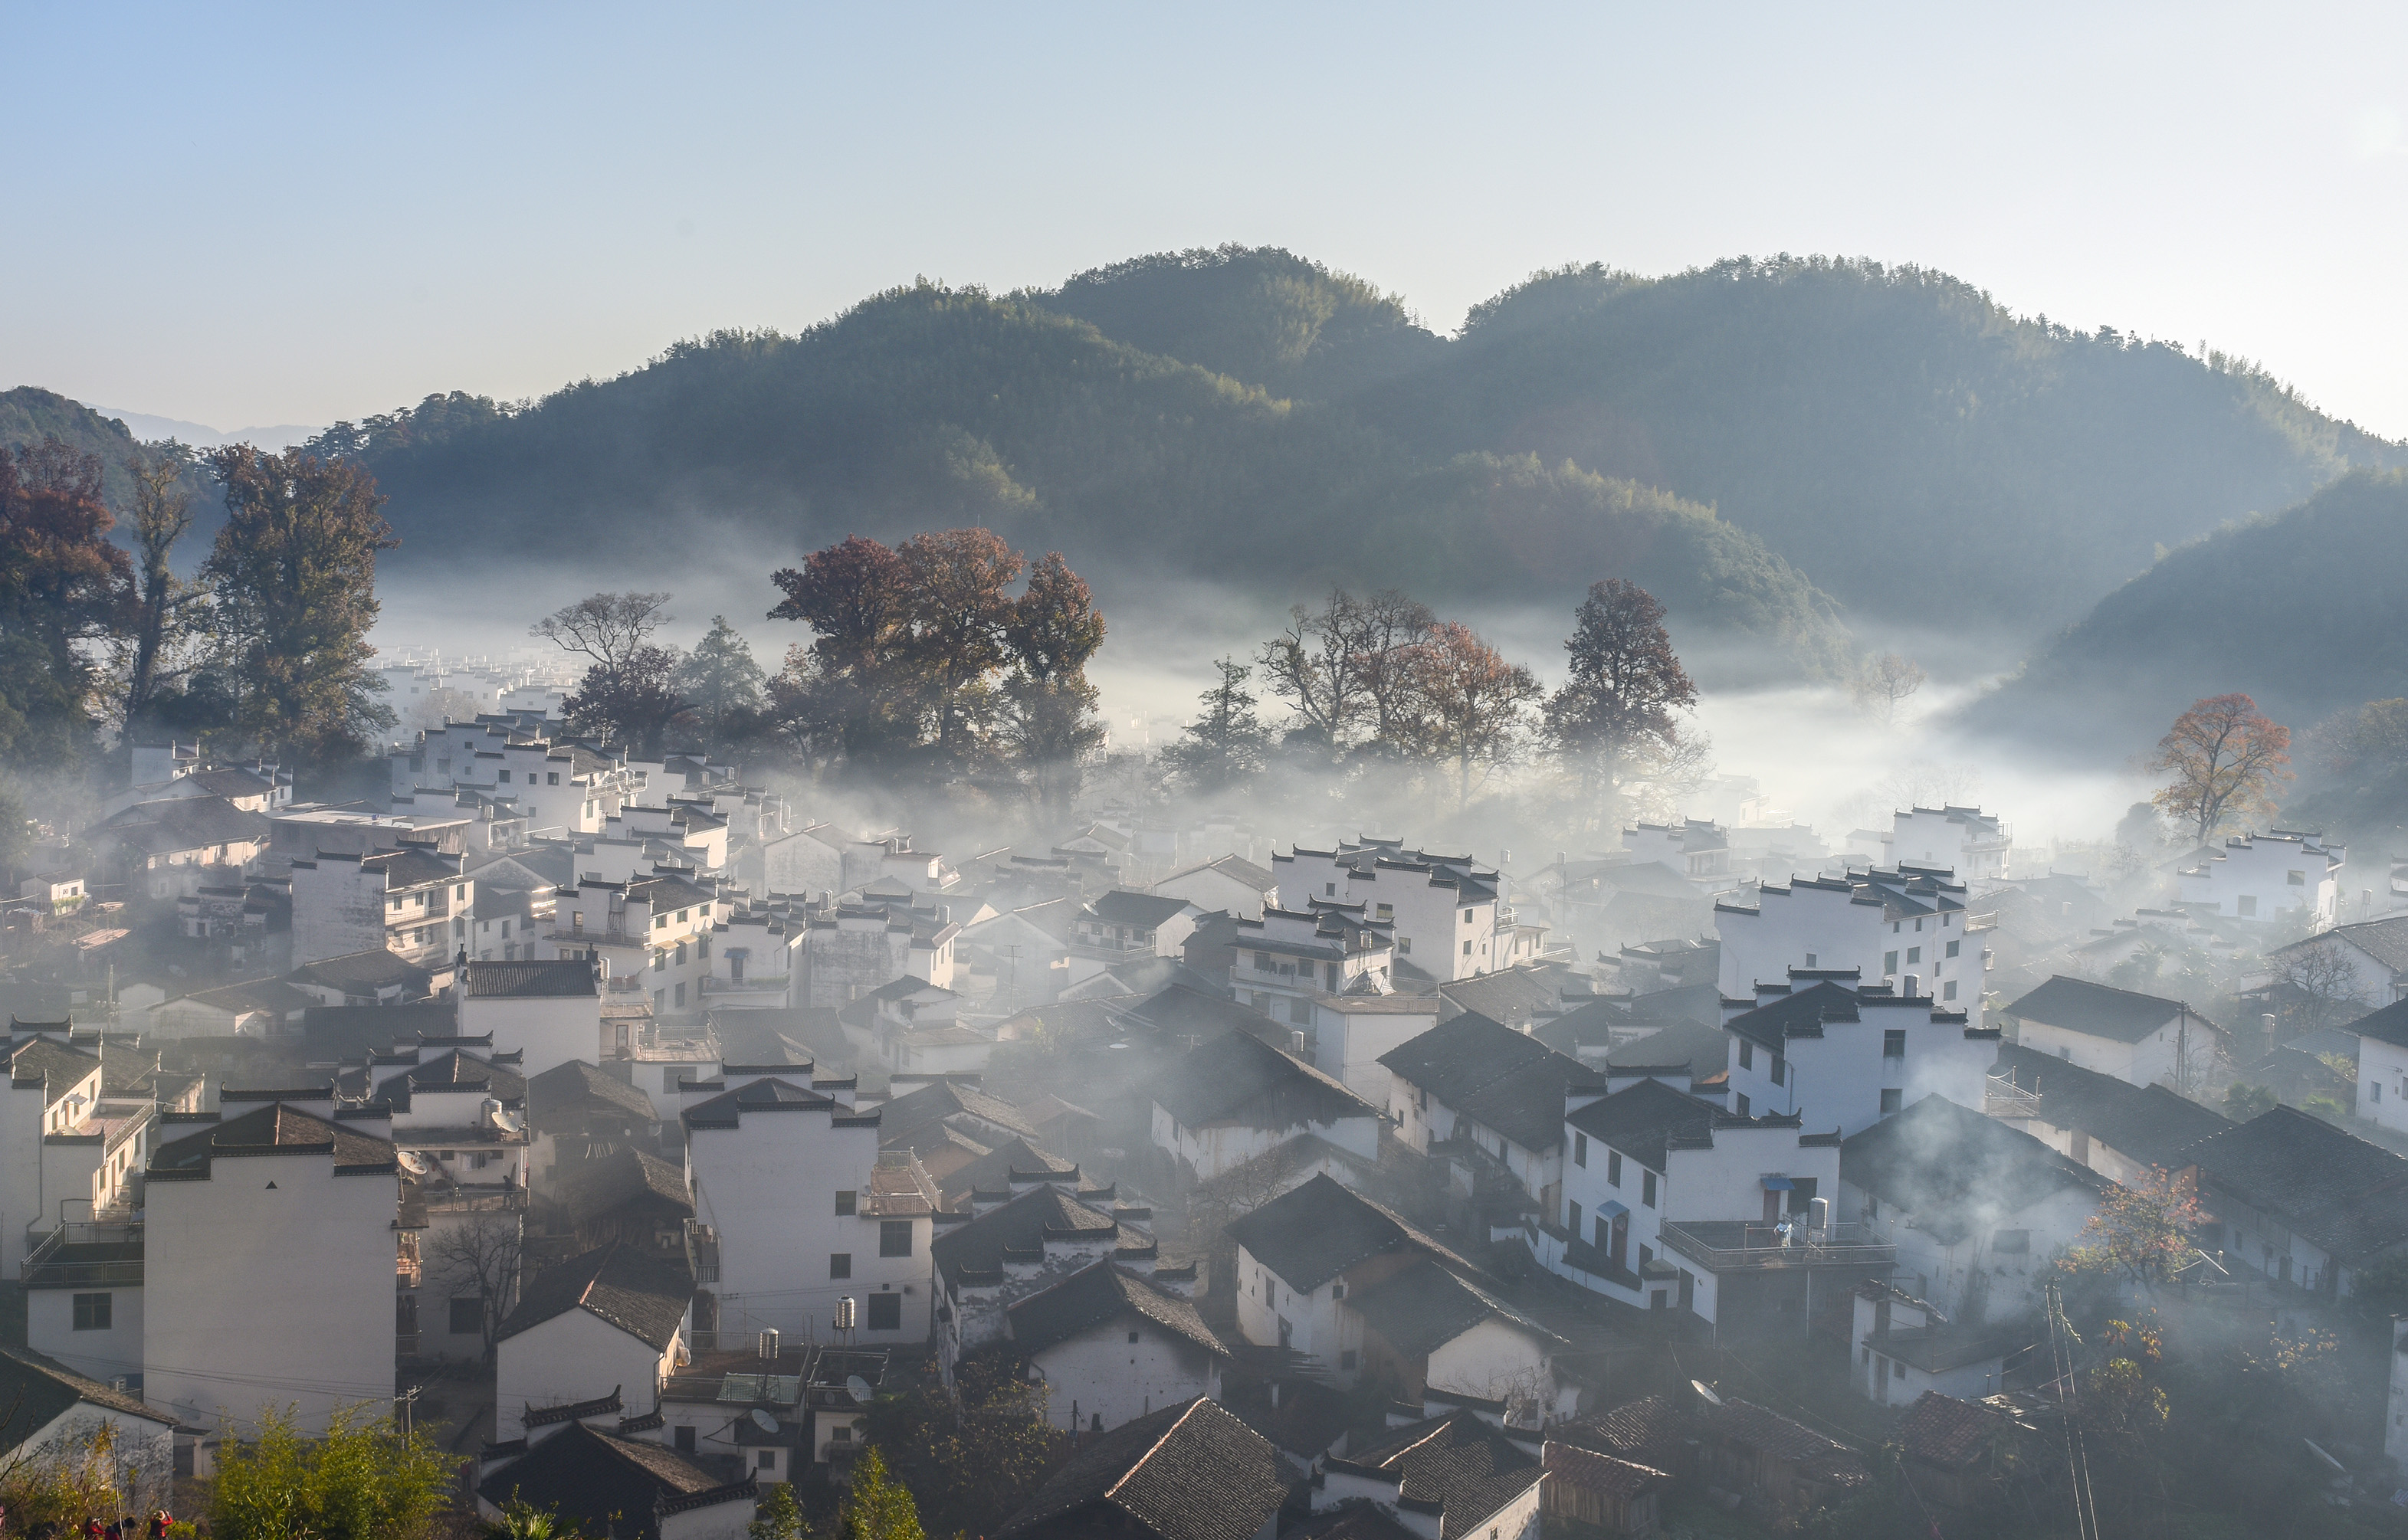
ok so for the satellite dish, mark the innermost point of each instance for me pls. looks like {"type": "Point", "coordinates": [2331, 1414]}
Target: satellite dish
{"type": "Point", "coordinates": [764, 1421]}
{"type": "Point", "coordinates": [857, 1387]}
{"type": "Point", "coordinates": [1700, 1386]}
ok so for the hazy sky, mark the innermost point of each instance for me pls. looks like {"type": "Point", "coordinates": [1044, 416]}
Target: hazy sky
{"type": "Point", "coordinates": [254, 215]}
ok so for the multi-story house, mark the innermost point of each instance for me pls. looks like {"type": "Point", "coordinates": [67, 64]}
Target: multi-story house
{"type": "Point", "coordinates": [1287, 960]}
{"type": "Point", "coordinates": [1904, 927]}
{"type": "Point", "coordinates": [801, 1209]}
{"type": "Point", "coordinates": [1696, 849]}
{"type": "Point", "coordinates": [557, 785]}
{"type": "Point", "coordinates": [652, 936]}
{"type": "Point", "coordinates": [2263, 876]}
{"type": "Point", "coordinates": [48, 1141]}
{"type": "Point", "coordinates": [547, 1013]}
{"type": "Point", "coordinates": [1966, 841]}
{"type": "Point", "coordinates": [1848, 1056]}
{"type": "Point", "coordinates": [412, 901]}
{"type": "Point", "coordinates": [1447, 914]}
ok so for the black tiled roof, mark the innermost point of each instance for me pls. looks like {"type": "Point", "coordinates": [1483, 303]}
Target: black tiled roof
{"type": "Point", "coordinates": [1940, 1430]}
{"type": "Point", "coordinates": [561, 979]}
{"type": "Point", "coordinates": [625, 1181]}
{"type": "Point", "coordinates": [1955, 1170]}
{"type": "Point", "coordinates": [2077, 1004]}
{"type": "Point", "coordinates": [644, 1298]}
{"type": "Point", "coordinates": [1094, 1295]}
{"type": "Point", "coordinates": [569, 1095]}
{"type": "Point", "coordinates": [1191, 1471]}
{"type": "Point", "coordinates": [333, 1034]}
{"type": "Point", "coordinates": [2151, 1124]}
{"type": "Point", "coordinates": [375, 968]}
{"type": "Point", "coordinates": [907, 1116]}
{"type": "Point", "coordinates": [1641, 1119]}
{"type": "Point", "coordinates": [276, 1128]}
{"type": "Point", "coordinates": [597, 1483]}
{"type": "Point", "coordinates": [2388, 1024]}
{"type": "Point", "coordinates": [36, 1390]}
{"type": "Point", "coordinates": [1457, 1464]}
{"type": "Point", "coordinates": [1239, 1076]}
{"type": "Point", "coordinates": [58, 1066]}
{"type": "Point", "coordinates": [1424, 1307]}
{"type": "Point", "coordinates": [1526, 1103]}
{"type": "Point", "coordinates": [452, 1070]}
{"type": "Point", "coordinates": [1120, 906]}
{"type": "Point", "coordinates": [1459, 1056]}
{"type": "Point", "coordinates": [1312, 1233]}
{"type": "Point", "coordinates": [2346, 1195]}
{"type": "Point", "coordinates": [975, 1250]}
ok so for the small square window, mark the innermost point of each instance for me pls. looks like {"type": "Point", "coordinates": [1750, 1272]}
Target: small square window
{"type": "Point", "coordinates": [94, 1312]}
{"type": "Point", "coordinates": [840, 1435]}
{"type": "Point", "coordinates": [894, 1237]}
{"type": "Point", "coordinates": [844, 1202]}
{"type": "Point", "coordinates": [765, 1460]}
{"type": "Point", "coordinates": [682, 1438]}
{"type": "Point", "coordinates": [1894, 1043]}
{"type": "Point", "coordinates": [1889, 963]}
{"type": "Point", "coordinates": [1346, 1358]}
{"type": "Point", "coordinates": [1132, 1336]}
{"type": "Point", "coordinates": [1948, 990]}
{"type": "Point", "coordinates": [886, 1312]}
{"type": "Point", "coordinates": [1913, 954]}
{"type": "Point", "coordinates": [1891, 1100]}
{"type": "Point", "coordinates": [1952, 946]}
{"type": "Point", "coordinates": [840, 1264]}
{"type": "Point", "coordinates": [551, 778]}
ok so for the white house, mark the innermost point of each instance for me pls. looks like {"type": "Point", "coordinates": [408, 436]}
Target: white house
{"type": "Point", "coordinates": [1013, 1250]}
{"type": "Point", "coordinates": [2122, 1130]}
{"type": "Point", "coordinates": [1236, 1097]}
{"type": "Point", "coordinates": [1352, 1032]}
{"type": "Point", "coordinates": [1109, 1344]}
{"type": "Point", "coordinates": [54, 1092]}
{"type": "Point", "coordinates": [1847, 1057]}
{"type": "Point", "coordinates": [2137, 1037]}
{"type": "Point", "coordinates": [808, 859]}
{"type": "Point", "coordinates": [2383, 1065]}
{"type": "Point", "coordinates": [1905, 928]}
{"type": "Point", "coordinates": [1966, 841]}
{"type": "Point", "coordinates": [2303, 1202]}
{"type": "Point", "coordinates": [1672, 1203]}
{"type": "Point", "coordinates": [1141, 1480]}
{"type": "Point", "coordinates": [414, 902]}
{"type": "Point", "coordinates": [2370, 960]}
{"type": "Point", "coordinates": [1977, 1211]}
{"type": "Point", "coordinates": [1287, 961]}
{"type": "Point", "coordinates": [1229, 884]}
{"type": "Point", "coordinates": [1696, 849]}
{"type": "Point", "coordinates": [1413, 1475]}
{"type": "Point", "coordinates": [279, 1226]}
{"type": "Point", "coordinates": [1446, 912]}
{"type": "Point", "coordinates": [803, 1210]}
{"type": "Point", "coordinates": [1906, 1348]}
{"type": "Point", "coordinates": [549, 1013]}
{"type": "Point", "coordinates": [562, 787]}
{"type": "Point", "coordinates": [2260, 876]}
{"type": "Point", "coordinates": [55, 1412]}
{"type": "Point", "coordinates": [606, 1483]}
{"type": "Point", "coordinates": [611, 1320]}
{"type": "Point", "coordinates": [1470, 1086]}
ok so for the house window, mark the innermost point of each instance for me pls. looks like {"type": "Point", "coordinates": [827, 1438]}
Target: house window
{"type": "Point", "coordinates": [844, 1204]}
{"type": "Point", "coordinates": [1404, 946]}
{"type": "Point", "coordinates": [1614, 1168]}
{"type": "Point", "coordinates": [765, 1460]}
{"type": "Point", "coordinates": [2297, 879]}
{"type": "Point", "coordinates": [1810, 960]}
{"type": "Point", "coordinates": [683, 1441]}
{"type": "Point", "coordinates": [1746, 1054]}
{"type": "Point", "coordinates": [1580, 1153]}
{"type": "Point", "coordinates": [681, 995]}
{"type": "Point", "coordinates": [1915, 954]}
{"type": "Point", "coordinates": [1329, 889]}
{"type": "Point", "coordinates": [93, 1312]}
{"type": "Point", "coordinates": [1741, 1102]}
{"type": "Point", "coordinates": [468, 1316]}
{"type": "Point", "coordinates": [1891, 1100]}
{"type": "Point", "coordinates": [894, 1237]}
{"type": "Point", "coordinates": [1573, 1219]}
{"type": "Point", "coordinates": [886, 1312]}
{"type": "Point", "coordinates": [1346, 1358]}
{"type": "Point", "coordinates": [502, 775]}
{"type": "Point", "coordinates": [840, 1264]}
{"type": "Point", "coordinates": [1338, 1290]}
{"type": "Point", "coordinates": [1647, 1187]}
{"type": "Point", "coordinates": [1889, 963]}
{"type": "Point", "coordinates": [1948, 990]}
{"type": "Point", "coordinates": [1780, 1070]}
{"type": "Point", "coordinates": [1952, 946]}
{"type": "Point", "coordinates": [1466, 948]}
{"type": "Point", "coordinates": [1894, 1043]}
{"type": "Point", "coordinates": [1897, 1368]}
{"type": "Point", "coordinates": [660, 961]}
{"type": "Point", "coordinates": [551, 778]}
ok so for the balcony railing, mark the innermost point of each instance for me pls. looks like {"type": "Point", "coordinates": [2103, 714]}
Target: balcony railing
{"type": "Point", "coordinates": [1727, 1245]}
{"type": "Point", "coordinates": [2002, 1098]}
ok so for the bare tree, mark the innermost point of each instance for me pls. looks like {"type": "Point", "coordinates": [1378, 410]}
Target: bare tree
{"type": "Point", "coordinates": [1316, 665]}
{"type": "Point", "coordinates": [1884, 683]}
{"type": "Point", "coordinates": [2319, 978]}
{"type": "Point", "coordinates": [1395, 635]}
{"type": "Point", "coordinates": [480, 1253]}
{"type": "Point", "coordinates": [608, 628]}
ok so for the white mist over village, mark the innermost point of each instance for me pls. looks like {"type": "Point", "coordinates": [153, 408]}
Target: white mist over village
{"type": "Point", "coordinates": [1559, 774]}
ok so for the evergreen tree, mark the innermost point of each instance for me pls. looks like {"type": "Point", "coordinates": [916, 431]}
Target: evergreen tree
{"type": "Point", "coordinates": [1615, 712]}
{"type": "Point", "coordinates": [62, 584]}
{"type": "Point", "coordinates": [295, 574]}
{"type": "Point", "coordinates": [1050, 707]}
{"type": "Point", "coordinates": [721, 684]}
{"type": "Point", "coordinates": [1224, 748]}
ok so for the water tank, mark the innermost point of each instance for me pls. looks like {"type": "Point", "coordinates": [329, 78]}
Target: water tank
{"type": "Point", "coordinates": [1818, 1215]}
{"type": "Point", "coordinates": [769, 1343]}
{"type": "Point", "coordinates": [842, 1320]}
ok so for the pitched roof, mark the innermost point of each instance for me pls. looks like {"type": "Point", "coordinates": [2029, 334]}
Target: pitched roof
{"type": "Point", "coordinates": [1704, 1049]}
{"type": "Point", "coordinates": [1526, 1103]}
{"type": "Point", "coordinates": [976, 1250]}
{"type": "Point", "coordinates": [624, 1181]}
{"type": "Point", "coordinates": [2384, 940]}
{"type": "Point", "coordinates": [1956, 1170]}
{"type": "Point", "coordinates": [644, 1298]}
{"type": "Point", "coordinates": [1120, 906]}
{"type": "Point", "coordinates": [1423, 1307]}
{"type": "Point", "coordinates": [184, 824]}
{"type": "Point", "coordinates": [1312, 1233]}
{"type": "Point", "coordinates": [1761, 1428]}
{"type": "Point", "coordinates": [1459, 1056]}
{"type": "Point", "coordinates": [1643, 1119]}
{"type": "Point", "coordinates": [2077, 1004]}
{"type": "Point", "coordinates": [562, 978]}
{"type": "Point", "coordinates": [276, 1128]}
{"type": "Point", "coordinates": [1651, 1432]}
{"type": "Point", "coordinates": [36, 1388]}
{"type": "Point", "coordinates": [2387, 1024]}
{"type": "Point", "coordinates": [598, 1483]}
{"type": "Point", "coordinates": [1190, 1472]}
{"type": "Point", "coordinates": [1607, 1474]}
{"type": "Point", "coordinates": [1238, 867]}
{"type": "Point", "coordinates": [1098, 1294]}
{"type": "Point", "coordinates": [452, 1070]}
{"type": "Point", "coordinates": [2346, 1195]}
{"type": "Point", "coordinates": [333, 1034]}
{"type": "Point", "coordinates": [1236, 1077]}
{"type": "Point", "coordinates": [2152, 1124]}
{"type": "Point", "coordinates": [59, 1067]}
{"type": "Point", "coordinates": [1510, 994]}
{"type": "Point", "coordinates": [908, 1117]}
{"type": "Point", "coordinates": [1456, 1463]}
{"type": "Point", "coordinates": [1940, 1430]}
{"type": "Point", "coordinates": [572, 1092]}
{"type": "Point", "coordinates": [1178, 1010]}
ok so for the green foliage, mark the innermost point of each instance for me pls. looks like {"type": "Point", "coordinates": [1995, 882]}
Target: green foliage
{"type": "Point", "coordinates": [720, 683]}
{"type": "Point", "coordinates": [1223, 749]}
{"type": "Point", "coordinates": [779, 1516]}
{"type": "Point", "coordinates": [973, 1459]}
{"type": "Point", "coordinates": [879, 1509]}
{"type": "Point", "coordinates": [526, 1522]}
{"type": "Point", "coordinates": [2299, 611]}
{"type": "Point", "coordinates": [2242, 1102]}
{"type": "Point", "coordinates": [54, 1487]}
{"type": "Point", "coordinates": [362, 1480]}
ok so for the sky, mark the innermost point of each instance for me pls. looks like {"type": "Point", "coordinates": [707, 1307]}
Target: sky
{"type": "Point", "coordinates": [237, 215]}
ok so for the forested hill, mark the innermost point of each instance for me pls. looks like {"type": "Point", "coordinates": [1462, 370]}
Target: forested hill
{"type": "Point", "coordinates": [28, 415]}
{"type": "Point", "coordinates": [924, 407]}
{"type": "Point", "coordinates": [2300, 611]}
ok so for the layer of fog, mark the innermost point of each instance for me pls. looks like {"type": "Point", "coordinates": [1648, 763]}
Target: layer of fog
{"type": "Point", "coordinates": [1815, 757]}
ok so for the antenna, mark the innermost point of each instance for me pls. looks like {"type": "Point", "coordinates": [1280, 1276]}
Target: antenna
{"type": "Point", "coordinates": [764, 1421]}
{"type": "Point", "coordinates": [1700, 1386]}
{"type": "Point", "coordinates": [857, 1387]}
